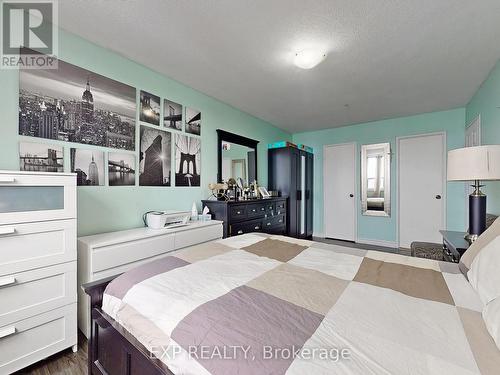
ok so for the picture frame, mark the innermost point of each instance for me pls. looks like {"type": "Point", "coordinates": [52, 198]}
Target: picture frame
{"type": "Point", "coordinates": [263, 191]}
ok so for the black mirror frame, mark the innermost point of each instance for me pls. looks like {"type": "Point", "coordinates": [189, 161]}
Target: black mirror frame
{"type": "Point", "coordinates": [224, 136]}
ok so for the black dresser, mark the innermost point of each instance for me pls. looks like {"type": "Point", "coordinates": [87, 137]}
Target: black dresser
{"type": "Point", "coordinates": [256, 215]}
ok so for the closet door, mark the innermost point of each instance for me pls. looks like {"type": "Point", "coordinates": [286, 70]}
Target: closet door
{"type": "Point", "coordinates": [301, 194]}
{"type": "Point", "coordinates": [421, 174]}
{"type": "Point", "coordinates": [339, 189]}
{"type": "Point", "coordinates": [309, 193]}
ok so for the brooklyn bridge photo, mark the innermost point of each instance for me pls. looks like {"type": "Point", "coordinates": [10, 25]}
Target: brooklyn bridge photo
{"type": "Point", "coordinates": [40, 157]}
{"type": "Point", "coordinates": [121, 169]}
{"type": "Point", "coordinates": [187, 160]}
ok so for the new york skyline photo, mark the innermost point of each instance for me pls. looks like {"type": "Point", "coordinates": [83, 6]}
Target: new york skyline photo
{"type": "Point", "coordinates": [76, 105]}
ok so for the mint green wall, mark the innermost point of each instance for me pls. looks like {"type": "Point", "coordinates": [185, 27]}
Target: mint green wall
{"type": "Point", "coordinates": [102, 208]}
{"type": "Point", "coordinates": [381, 228]}
{"type": "Point", "coordinates": [486, 102]}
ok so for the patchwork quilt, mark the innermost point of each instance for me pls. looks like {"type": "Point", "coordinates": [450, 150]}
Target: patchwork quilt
{"type": "Point", "coordinates": [263, 304]}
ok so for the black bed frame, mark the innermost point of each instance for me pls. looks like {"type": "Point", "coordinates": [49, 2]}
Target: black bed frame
{"type": "Point", "coordinates": [112, 349]}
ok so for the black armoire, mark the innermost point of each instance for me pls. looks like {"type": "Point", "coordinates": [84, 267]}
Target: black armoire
{"type": "Point", "coordinates": [291, 173]}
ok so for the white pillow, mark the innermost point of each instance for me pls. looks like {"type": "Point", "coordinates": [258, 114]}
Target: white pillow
{"type": "Point", "coordinates": [484, 274]}
{"type": "Point", "coordinates": [491, 317]}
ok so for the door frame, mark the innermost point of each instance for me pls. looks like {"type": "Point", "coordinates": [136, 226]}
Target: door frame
{"type": "Point", "coordinates": [444, 179]}
{"type": "Point", "coordinates": [356, 186]}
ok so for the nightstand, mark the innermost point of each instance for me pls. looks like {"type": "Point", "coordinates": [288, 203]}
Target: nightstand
{"type": "Point", "coordinates": [454, 245]}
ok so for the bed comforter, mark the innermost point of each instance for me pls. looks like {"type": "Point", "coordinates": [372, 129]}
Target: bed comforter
{"type": "Point", "coordinates": [260, 304]}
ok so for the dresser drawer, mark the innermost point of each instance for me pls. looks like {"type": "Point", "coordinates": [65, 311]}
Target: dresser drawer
{"type": "Point", "coordinates": [273, 221]}
{"type": "Point", "coordinates": [281, 205]}
{"type": "Point", "coordinates": [36, 197]}
{"type": "Point", "coordinates": [238, 212]}
{"type": "Point", "coordinates": [113, 256]}
{"type": "Point", "coordinates": [30, 340]}
{"type": "Point", "coordinates": [270, 207]}
{"type": "Point", "coordinates": [33, 292]}
{"type": "Point", "coordinates": [196, 236]}
{"type": "Point", "coordinates": [34, 245]}
{"type": "Point", "coordinates": [278, 220]}
{"type": "Point", "coordinates": [256, 210]}
{"type": "Point", "coordinates": [247, 227]}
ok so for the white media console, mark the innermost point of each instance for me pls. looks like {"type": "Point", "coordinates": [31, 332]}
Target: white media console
{"type": "Point", "coordinates": [110, 254]}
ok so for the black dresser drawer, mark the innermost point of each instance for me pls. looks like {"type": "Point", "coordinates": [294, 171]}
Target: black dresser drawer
{"type": "Point", "coordinates": [279, 220]}
{"type": "Point", "coordinates": [246, 227]}
{"type": "Point", "coordinates": [273, 221]}
{"type": "Point", "coordinates": [256, 210]}
{"type": "Point", "coordinates": [239, 212]}
{"type": "Point", "coordinates": [281, 205]}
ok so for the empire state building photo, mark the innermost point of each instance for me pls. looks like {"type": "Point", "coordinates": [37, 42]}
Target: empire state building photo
{"type": "Point", "coordinates": [75, 105]}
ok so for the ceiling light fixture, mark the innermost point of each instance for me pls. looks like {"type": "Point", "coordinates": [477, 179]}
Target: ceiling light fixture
{"type": "Point", "coordinates": [309, 58]}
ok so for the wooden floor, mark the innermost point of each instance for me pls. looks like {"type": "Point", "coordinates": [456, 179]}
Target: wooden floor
{"type": "Point", "coordinates": [64, 363]}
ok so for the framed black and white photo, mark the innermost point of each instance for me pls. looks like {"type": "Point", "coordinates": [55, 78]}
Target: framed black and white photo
{"type": "Point", "coordinates": [172, 114]}
{"type": "Point", "coordinates": [154, 157]}
{"type": "Point", "coordinates": [40, 157]}
{"type": "Point", "coordinates": [121, 169]}
{"type": "Point", "coordinates": [76, 105]}
{"type": "Point", "coordinates": [193, 121]}
{"type": "Point", "coordinates": [88, 166]}
{"type": "Point", "coordinates": [149, 108]}
{"type": "Point", "coordinates": [187, 160]}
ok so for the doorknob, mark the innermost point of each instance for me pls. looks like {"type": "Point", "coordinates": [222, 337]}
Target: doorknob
{"type": "Point", "coordinates": [351, 195]}
{"type": "Point", "coordinates": [438, 196]}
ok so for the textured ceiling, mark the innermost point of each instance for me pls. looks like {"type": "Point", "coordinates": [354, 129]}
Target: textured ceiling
{"type": "Point", "coordinates": [387, 58]}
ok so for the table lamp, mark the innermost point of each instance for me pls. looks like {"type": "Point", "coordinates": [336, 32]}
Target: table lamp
{"type": "Point", "coordinates": [480, 163]}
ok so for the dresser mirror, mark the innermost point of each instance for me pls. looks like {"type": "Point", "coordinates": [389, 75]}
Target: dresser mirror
{"type": "Point", "coordinates": [237, 158]}
{"type": "Point", "coordinates": [376, 179]}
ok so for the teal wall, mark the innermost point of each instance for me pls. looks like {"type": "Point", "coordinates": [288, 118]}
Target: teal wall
{"type": "Point", "coordinates": [102, 208]}
{"type": "Point", "coordinates": [486, 103]}
{"type": "Point", "coordinates": [384, 228]}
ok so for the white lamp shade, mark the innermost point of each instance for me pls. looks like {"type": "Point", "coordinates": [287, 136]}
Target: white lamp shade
{"type": "Point", "coordinates": [474, 163]}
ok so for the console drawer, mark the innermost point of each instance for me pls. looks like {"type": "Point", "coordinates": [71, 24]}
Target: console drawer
{"type": "Point", "coordinates": [35, 245]}
{"type": "Point", "coordinates": [30, 340]}
{"type": "Point", "coordinates": [33, 292]}
{"type": "Point", "coordinates": [196, 236]}
{"type": "Point", "coordinates": [113, 256]}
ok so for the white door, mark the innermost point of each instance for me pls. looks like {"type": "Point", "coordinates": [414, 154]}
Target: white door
{"type": "Point", "coordinates": [339, 187]}
{"type": "Point", "coordinates": [421, 188]}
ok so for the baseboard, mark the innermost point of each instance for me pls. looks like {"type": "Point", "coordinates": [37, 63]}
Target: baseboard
{"type": "Point", "coordinates": [383, 243]}
{"type": "Point", "coordinates": [319, 235]}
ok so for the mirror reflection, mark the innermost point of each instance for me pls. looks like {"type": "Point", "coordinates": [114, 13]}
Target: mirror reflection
{"type": "Point", "coordinates": [375, 179]}
{"type": "Point", "coordinates": [238, 161]}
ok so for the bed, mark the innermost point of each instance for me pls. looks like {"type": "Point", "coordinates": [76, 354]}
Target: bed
{"type": "Point", "coordinates": [264, 304]}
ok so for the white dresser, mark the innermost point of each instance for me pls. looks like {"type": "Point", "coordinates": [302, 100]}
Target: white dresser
{"type": "Point", "coordinates": [38, 311]}
{"type": "Point", "coordinates": [110, 254]}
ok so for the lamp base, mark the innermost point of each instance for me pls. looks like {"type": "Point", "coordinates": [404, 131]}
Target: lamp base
{"type": "Point", "coordinates": [477, 214]}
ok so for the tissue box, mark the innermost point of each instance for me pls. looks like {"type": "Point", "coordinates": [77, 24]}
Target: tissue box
{"type": "Point", "coordinates": [206, 217]}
